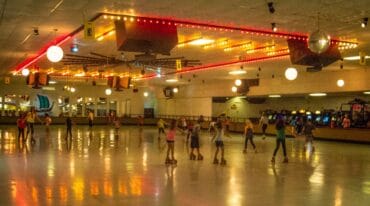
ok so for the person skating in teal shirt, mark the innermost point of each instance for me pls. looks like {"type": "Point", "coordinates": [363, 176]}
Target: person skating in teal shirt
{"type": "Point", "coordinates": [280, 139]}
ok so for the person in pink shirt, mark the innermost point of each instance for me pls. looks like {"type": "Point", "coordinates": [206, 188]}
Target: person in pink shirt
{"type": "Point", "coordinates": [170, 137]}
{"type": "Point", "coordinates": [346, 122]}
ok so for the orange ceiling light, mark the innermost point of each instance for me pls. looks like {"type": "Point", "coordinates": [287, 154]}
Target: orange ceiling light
{"type": "Point", "coordinates": [238, 46]}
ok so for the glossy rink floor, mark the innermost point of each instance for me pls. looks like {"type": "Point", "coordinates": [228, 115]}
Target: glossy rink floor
{"type": "Point", "coordinates": [99, 168]}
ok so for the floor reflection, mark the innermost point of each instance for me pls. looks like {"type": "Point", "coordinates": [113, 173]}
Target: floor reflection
{"type": "Point", "coordinates": [105, 166]}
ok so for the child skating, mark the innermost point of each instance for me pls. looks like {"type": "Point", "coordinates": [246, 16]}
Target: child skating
{"type": "Point", "coordinates": [248, 134]}
{"type": "Point", "coordinates": [170, 137]}
{"type": "Point", "coordinates": [219, 144]}
{"type": "Point", "coordinates": [194, 144]}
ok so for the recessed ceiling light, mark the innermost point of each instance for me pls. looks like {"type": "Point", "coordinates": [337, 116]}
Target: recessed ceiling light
{"type": "Point", "coordinates": [353, 58]}
{"type": "Point", "coordinates": [171, 80]}
{"type": "Point", "coordinates": [367, 92]}
{"type": "Point", "coordinates": [201, 42]}
{"type": "Point", "coordinates": [317, 94]}
{"type": "Point", "coordinates": [237, 72]}
{"type": "Point", "coordinates": [274, 95]}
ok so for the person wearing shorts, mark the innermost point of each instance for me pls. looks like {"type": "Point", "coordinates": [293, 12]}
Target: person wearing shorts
{"type": "Point", "coordinates": [194, 144]}
{"type": "Point", "coordinates": [219, 143]}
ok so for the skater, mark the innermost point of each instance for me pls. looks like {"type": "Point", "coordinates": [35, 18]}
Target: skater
{"type": "Point", "coordinates": [280, 139]}
{"type": "Point", "coordinates": [227, 126]}
{"type": "Point", "coordinates": [194, 144]}
{"type": "Point", "coordinates": [161, 124]}
{"type": "Point", "coordinates": [219, 143]}
{"type": "Point", "coordinates": [346, 123]}
{"type": "Point", "coordinates": [307, 130]}
{"type": "Point", "coordinates": [30, 120]}
{"type": "Point", "coordinates": [47, 121]}
{"type": "Point", "coordinates": [183, 125]}
{"type": "Point", "coordinates": [190, 130]}
{"type": "Point", "coordinates": [170, 137]}
{"type": "Point", "coordinates": [90, 117]}
{"type": "Point", "coordinates": [21, 124]}
{"type": "Point", "coordinates": [117, 125]}
{"type": "Point", "coordinates": [69, 123]}
{"type": "Point", "coordinates": [212, 128]}
{"type": "Point", "coordinates": [248, 134]}
{"type": "Point", "coordinates": [264, 121]}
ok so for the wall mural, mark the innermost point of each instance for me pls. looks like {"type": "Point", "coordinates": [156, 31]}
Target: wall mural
{"type": "Point", "coordinates": [43, 104]}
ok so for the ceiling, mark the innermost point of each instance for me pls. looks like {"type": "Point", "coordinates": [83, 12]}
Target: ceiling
{"type": "Point", "coordinates": [341, 19]}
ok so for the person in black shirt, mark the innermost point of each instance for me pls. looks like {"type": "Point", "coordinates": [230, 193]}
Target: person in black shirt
{"type": "Point", "coordinates": [69, 127]}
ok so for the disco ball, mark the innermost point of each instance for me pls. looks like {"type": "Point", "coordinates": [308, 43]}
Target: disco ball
{"type": "Point", "coordinates": [318, 42]}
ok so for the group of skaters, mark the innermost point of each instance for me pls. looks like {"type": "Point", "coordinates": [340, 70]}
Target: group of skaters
{"type": "Point", "coordinates": [217, 129]}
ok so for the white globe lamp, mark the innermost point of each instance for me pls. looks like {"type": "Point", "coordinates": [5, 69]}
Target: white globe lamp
{"type": "Point", "coordinates": [234, 89]}
{"type": "Point", "coordinates": [291, 73]}
{"type": "Point", "coordinates": [340, 83]}
{"type": "Point", "coordinates": [25, 72]}
{"type": "Point", "coordinates": [54, 54]}
{"type": "Point", "coordinates": [238, 82]}
{"type": "Point", "coordinates": [108, 91]}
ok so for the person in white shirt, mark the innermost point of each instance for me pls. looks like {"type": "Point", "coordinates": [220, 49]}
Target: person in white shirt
{"type": "Point", "coordinates": [264, 121]}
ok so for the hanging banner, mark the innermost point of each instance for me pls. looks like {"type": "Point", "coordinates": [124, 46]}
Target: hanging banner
{"type": "Point", "coordinates": [178, 65]}
{"type": "Point", "coordinates": [89, 30]}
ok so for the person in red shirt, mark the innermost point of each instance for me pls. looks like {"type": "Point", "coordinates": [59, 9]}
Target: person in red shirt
{"type": "Point", "coordinates": [21, 124]}
{"type": "Point", "coordinates": [346, 123]}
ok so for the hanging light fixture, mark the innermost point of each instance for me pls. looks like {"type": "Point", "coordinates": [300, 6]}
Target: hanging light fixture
{"type": "Point", "coordinates": [273, 27]}
{"type": "Point", "coordinates": [238, 82]}
{"type": "Point", "coordinates": [364, 22]}
{"type": "Point", "coordinates": [54, 52]}
{"type": "Point", "coordinates": [318, 41]}
{"type": "Point", "coordinates": [175, 90]}
{"type": "Point", "coordinates": [146, 94]}
{"type": "Point", "coordinates": [291, 73]}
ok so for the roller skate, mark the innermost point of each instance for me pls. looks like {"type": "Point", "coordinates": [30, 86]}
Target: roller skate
{"type": "Point", "coordinates": [192, 156]}
{"type": "Point", "coordinates": [285, 160]}
{"type": "Point", "coordinates": [200, 157]}
{"type": "Point", "coordinates": [223, 161]}
{"type": "Point", "coordinates": [173, 161]}
{"type": "Point", "coordinates": [168, 161]}
{"type": "Point", "coordinates": [215, 161]}
{"type": "Point", "coordinates": [273, 160]}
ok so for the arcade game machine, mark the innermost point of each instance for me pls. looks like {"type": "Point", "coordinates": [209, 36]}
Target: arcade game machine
{"type": "Point", "coordinates": [326, 117]}
{"type": "Point", "coordinates": [317, 119]}
{"type": "Point", "coordinates": [309, 116]}
{"type": "Point", "coordinates": [270, 115]}
{"type": "Point", "coordinates": [285, 114]}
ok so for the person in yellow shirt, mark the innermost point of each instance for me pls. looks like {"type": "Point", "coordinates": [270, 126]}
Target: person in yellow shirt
{"type": "Point", "coordinates": [161, 124]}
{"type": "Point", "coordinates": [30, 120]}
